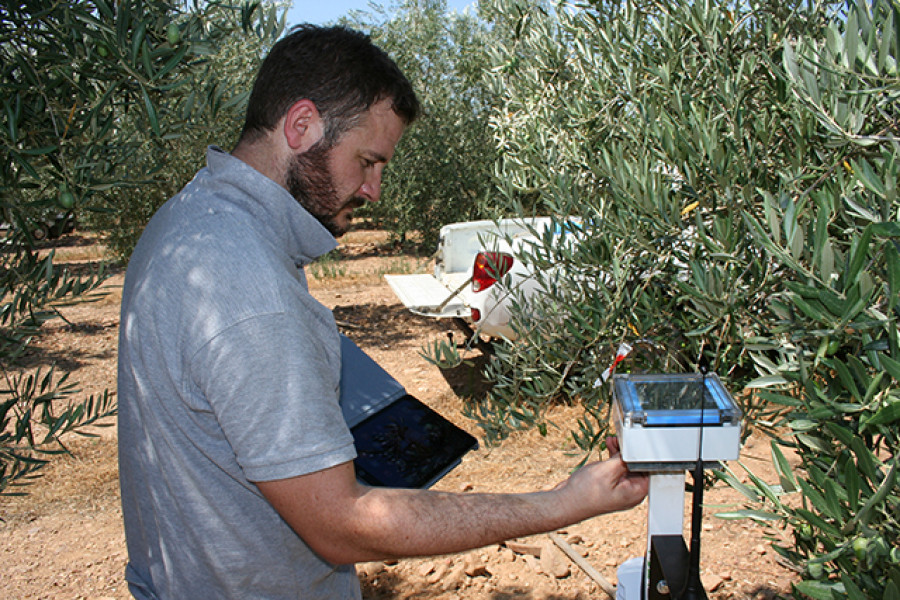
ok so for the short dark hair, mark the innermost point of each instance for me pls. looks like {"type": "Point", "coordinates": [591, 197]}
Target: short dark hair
{"type": "Point", "coordinates": [339, 69]}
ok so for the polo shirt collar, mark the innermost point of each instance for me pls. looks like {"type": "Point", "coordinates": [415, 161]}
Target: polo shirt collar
{"type": "Point", "coordinates": [302, 235]}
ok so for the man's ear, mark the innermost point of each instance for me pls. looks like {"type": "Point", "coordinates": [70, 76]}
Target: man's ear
{"type": "Point", "coordinates": [302, 125]}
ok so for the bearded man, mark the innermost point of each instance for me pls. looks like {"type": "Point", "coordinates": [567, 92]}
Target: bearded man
{"type": "Point", "coordinates": [236, 466]}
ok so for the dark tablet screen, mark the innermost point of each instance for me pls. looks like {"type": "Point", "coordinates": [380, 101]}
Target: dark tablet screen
{"type": "Point", "coordinates": [407, 445]}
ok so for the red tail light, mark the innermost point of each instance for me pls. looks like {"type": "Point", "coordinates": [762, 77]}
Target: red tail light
{"type": "Point", "coordinates": [489, 267]}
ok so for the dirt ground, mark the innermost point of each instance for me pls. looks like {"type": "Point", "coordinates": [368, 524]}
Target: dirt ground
{"type": "Point", "coordinates": [65, 541]}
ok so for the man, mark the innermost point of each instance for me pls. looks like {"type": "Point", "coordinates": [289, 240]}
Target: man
{"type": "Point", "coordinates": [235, 463]}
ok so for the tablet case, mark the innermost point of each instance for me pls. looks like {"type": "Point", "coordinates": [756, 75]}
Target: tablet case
{"type": "Point", "coordinates": [400, 442]}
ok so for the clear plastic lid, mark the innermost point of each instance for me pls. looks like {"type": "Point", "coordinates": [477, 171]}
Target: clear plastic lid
{"type": "Point", "coordinates": [674, 400]}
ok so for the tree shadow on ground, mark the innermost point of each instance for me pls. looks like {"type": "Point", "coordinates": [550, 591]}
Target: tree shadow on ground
{"type": "Point", "coordinates": [66, 358]}
{"type": "Point", "coordinates": [353, 252]}
{"type": "Point", "coordinates": [467, 379]}
{"type": "Point", "coordinates": [373, 324]}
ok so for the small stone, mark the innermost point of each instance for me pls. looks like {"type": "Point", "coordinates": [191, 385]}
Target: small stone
{"type": "Point", "coordinates": [478, 571]}
{"type": "Point", "coordinates": [455, 579]}
{"type": "Point", "coordinates": [475, 567]}
{"type": "Point", "coordinates": [426, 569]}
{"type": "Point", "coordinates": [439, 572]}
{"type": "Point", "coordinates": [711, 582]}
{"type": "Point", "coordinates": [369, 569]}
{"type": "Point", "coordinates": [466, 487]}
{"type": "Point", "coordinates": [554, 563]}
{"type": "Point", "coordinates": [575, 539]}
{"type": "Point", "coordinates": [523, 548]}
{"type": "Point", "coordinates": [760, 549]}
{"type": "Point", "coordinates": [507, 555]}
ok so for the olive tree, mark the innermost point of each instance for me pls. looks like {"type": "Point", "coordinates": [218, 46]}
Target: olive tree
{"type": "Point", "coordinates": [656, 124]}
{"type": "Point", "coordinates": [203, 105]}
{"type": "Point", "coordinates": [733, 170]}
{"type": "Point", "coordinates": [89, 87]}
{"type": "Point", "coordinates": [831, 357]}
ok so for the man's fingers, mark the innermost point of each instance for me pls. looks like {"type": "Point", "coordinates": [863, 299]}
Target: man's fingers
{"type": "Point", "coordinates": [612, 444]}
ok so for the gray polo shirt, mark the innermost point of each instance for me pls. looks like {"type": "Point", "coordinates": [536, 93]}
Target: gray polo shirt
{"type": "Point", "coordinates": [229, 373]}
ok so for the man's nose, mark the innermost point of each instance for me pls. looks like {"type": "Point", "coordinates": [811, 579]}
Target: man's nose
{"type": "Point", "coordinates": [371, 187]}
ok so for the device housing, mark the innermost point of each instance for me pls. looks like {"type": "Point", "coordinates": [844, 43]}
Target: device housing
{"type": "Point", "coordinates": [666, 422]}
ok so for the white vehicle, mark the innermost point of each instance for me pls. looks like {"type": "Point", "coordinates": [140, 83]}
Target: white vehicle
{"type": "Point", "coordinates": [477, 267]}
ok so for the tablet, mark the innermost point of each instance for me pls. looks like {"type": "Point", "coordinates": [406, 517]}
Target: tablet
{"type": "Point", "coordinates": [400, 442]}
{"type": "Point", "coordinates": [408, 445]}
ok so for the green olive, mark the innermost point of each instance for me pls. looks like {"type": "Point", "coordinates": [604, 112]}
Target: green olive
{"type": "Point", "coordinates": [816, 570]}
{"type": "Point", "coordinates": [66, 199]}
{"type": "Point", "coordinates": [102, 50]}
{"type": "Point", "coordinates": [173, 34]}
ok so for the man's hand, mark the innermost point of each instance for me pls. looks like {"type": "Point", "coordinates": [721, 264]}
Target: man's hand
{"type": "Point", "coordinates": [602, 487]}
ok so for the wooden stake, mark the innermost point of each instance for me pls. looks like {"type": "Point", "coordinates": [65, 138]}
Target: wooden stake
{"type": "Point", "coordinates": [584, 565]}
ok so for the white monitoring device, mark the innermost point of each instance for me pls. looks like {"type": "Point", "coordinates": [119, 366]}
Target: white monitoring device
{"type": "Point", "coordinates": [662, 419]}
{"type": "Point", "coordinates": [668, 424]}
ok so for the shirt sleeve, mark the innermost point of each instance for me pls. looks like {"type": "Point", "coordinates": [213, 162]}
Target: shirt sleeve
{"type": "Point", "coordinates": [274, 387]}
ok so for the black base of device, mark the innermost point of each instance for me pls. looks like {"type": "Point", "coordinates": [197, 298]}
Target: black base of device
{"type": "Point", "coordinates": [669, 567]}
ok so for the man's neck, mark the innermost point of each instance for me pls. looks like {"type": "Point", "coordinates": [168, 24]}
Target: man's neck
{"type": "Point", "coordinates": [263, 156]}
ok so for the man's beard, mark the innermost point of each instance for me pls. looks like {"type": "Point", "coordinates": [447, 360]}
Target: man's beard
{"type": "Point", "coordinates": [310, 182]}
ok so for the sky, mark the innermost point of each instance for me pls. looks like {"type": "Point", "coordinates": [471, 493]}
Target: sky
{"type": "Point", "coordinates": [325, 11]}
